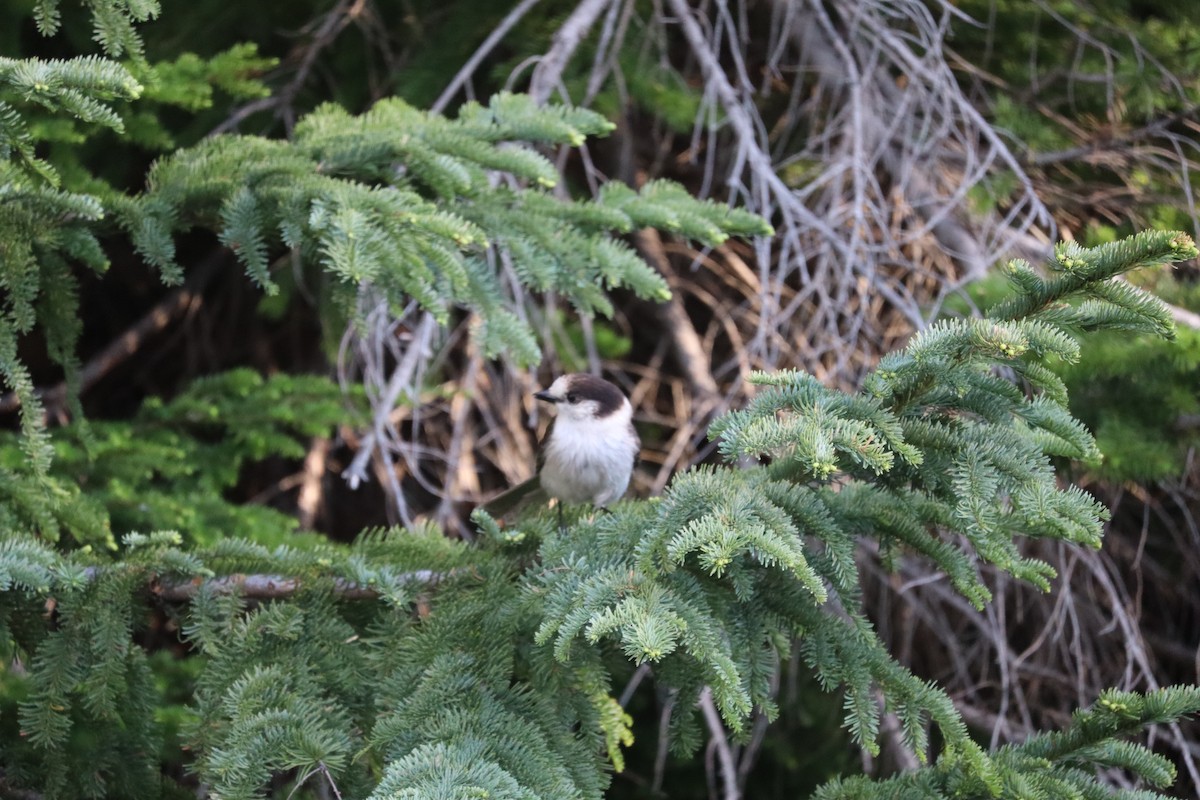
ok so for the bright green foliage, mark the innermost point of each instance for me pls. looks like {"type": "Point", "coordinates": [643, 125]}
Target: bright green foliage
{"type": "Point", "coordinates": [87, 158]}
{"type": "Point", "coordinates": [1059, 764]}
{"type": "Point", "coordinates": [410, 665]}
{"type": "Point", "coordinates": [188, 81]}
{"type": "Point", "coordinates": [169, 466]}
{"type": "Point", "coordinates": [402, 200]}
{"type": "Point", "coordinates": [1138, 395]}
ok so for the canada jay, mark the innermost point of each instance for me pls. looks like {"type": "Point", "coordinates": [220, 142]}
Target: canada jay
{"type": "Point", "coordinates": [588, 452]}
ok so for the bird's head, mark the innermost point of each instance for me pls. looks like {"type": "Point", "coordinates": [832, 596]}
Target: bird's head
{"type": "Point", "coordinates": [581, 397]}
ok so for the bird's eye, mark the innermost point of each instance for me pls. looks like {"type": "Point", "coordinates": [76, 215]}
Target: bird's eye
{"type": "Point", "coordinates": [572, 397]}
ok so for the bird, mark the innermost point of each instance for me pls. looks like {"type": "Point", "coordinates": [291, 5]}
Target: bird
{"type": "Point", "coordinates": [588, 452]}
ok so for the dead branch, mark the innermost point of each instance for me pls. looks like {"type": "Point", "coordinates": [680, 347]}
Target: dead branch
{"type": "Point", "coordinates": [548, 73]}
{"type": "Point", "coordinates": [267, 587]}
{"type": "Point", "coordinates": [283, 102]}
{"type": "Point", "coordinates": [494, 38]}
{"type": "Point", "coordinates": [720, 742]}
{"type": "Point", "coordinates": [688, 348]}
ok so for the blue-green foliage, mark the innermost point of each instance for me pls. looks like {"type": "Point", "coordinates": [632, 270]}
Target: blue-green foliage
{"type": "Point", "coordinates": [946, 453]}
{"type": "Point", "coordinates": [89, 695]}
{"type": "Point", "coordinates": [284, 684]}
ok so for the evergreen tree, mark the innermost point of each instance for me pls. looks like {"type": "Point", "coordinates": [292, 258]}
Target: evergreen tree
{"type": "Point", "coordinates": [408, 664]}
{"type": "Point", "coordinates": [448, 669]}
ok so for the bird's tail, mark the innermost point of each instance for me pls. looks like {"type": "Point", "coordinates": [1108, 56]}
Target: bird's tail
{"type": "Point", "coordinates": [509, 503]}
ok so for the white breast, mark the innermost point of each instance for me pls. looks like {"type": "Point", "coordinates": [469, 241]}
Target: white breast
{"type": "Point", "coordinates": [589, 460]}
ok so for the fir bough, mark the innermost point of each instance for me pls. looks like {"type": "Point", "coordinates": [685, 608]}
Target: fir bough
{"type": "Point", "coordinates": [403, 200]}
{"type": "Point", "coordinates": [42, 227]}
{"type": "Point", "coordinates": [112, 22]}
{"type": "Point", "coordinates": [409, 665]}
{"type": "Point", "coordinates": [946, 453]}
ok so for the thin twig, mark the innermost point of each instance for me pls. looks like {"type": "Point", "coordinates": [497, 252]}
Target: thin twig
{"type": "Point", "coordinates": [333, 23]}
{"type": "Point", "coordinates": [664, 742]}
{"type": "Point", "coordinates": [716, 730]}
{"type": "Point", "coordinates": [403, 379]}
{"type": "Point", "coordinates": [325, 771]}
{"type": "Point", "coordinates": [468, 69]}
{"type": "Point", "coordinates": [635, 680]}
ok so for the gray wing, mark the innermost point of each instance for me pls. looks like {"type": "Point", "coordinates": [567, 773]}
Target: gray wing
{"type": "Point", "coordinates": [512, 501]}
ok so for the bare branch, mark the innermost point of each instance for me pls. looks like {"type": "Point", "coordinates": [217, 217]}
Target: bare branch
{"type": "Point", "coordinates": [718, 740]}
{"type": "Point", "coordinates": [268, 587]}
{"type": "Point", "coordinates": [468, 69]}
{"type": "Point", "coordinates": [283, 101]}
{"type": "Point", "coordinates": [689, 350]}
{"type": "Point", "coordinates": [308, 502]}
{"type": "Point", "coordinates": [384, 439]}
{"type": "Point", "coordinates": [548, 73]}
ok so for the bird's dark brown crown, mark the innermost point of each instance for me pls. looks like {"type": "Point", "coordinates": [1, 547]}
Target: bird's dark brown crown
{"type": "Point", "coordinates": [608, 398]}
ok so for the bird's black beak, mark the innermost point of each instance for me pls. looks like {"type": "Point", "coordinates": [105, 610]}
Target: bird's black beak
{"type": "Point", "coordinates": [544, 395]}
